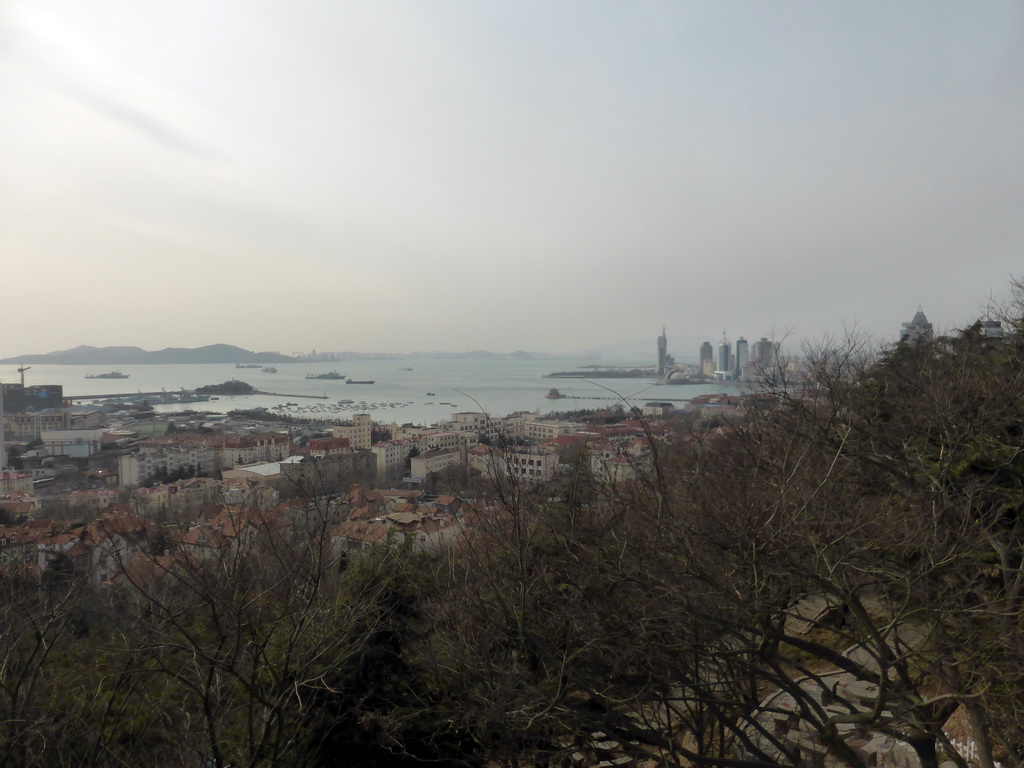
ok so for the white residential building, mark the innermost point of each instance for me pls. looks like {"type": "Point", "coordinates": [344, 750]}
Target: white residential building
{"type": "Point", "coordinates": [136, 468]}
{"type": "Point", "coordinates": [391, 455]}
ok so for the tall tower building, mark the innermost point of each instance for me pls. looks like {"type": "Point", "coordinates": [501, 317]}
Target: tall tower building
{"type": "Point", "coordinates": [741, 355]}
{"type": "Point", "coordinates": [706, 359]}
{"type": "Point", "coordinates": [724, 354]}
{"type": "Point", "coordinates": [762, 353]}
{"type": "Point", "coordinates": [662, 352]}
{"type": "Point", "coordinates": [706, 352]}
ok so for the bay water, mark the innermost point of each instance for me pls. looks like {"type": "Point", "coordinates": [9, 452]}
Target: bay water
{"type": "Point", "coordinates": [430, 392]}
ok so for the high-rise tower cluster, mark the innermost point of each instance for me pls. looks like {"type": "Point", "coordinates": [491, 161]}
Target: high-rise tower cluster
{"type": "Point", "coordinates": [740, 363]}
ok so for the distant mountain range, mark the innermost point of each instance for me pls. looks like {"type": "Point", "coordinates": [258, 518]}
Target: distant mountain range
{"type": "Point", "coordinates": [213, 353]}
{"type": "Point", "coordinates": [683, 347]}
{"type": "Point", "coordinates": [226, 353]}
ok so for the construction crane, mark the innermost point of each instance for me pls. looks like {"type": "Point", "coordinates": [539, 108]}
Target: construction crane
{"type": "Point", "coordinates": [22, 372]}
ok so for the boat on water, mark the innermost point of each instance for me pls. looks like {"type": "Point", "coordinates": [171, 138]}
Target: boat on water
{"type": "Point", "coordinates": [431, 394]}
{"type": "Point", "coordinates": [405, 368]}
{"type": "Point", "coordinates": [248, 365]}
{"type": "Point", "coordinates": [110, 375]}
{"type": "Point", "coordinates": [358, 381]}
{"type": "Point", "coordinates": [333, 376]}
{"type": "Point", "coordinates": [269, 369]}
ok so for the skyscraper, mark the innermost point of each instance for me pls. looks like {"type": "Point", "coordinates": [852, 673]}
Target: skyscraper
{"type": "Point", "coordinates": [724, 354]}
{"type": "Point", "coordinates": [741, 355]}
{"type": "Point", "coordinates": [662, 352]}
{"type": "Point", "coordinates": [706, 359]}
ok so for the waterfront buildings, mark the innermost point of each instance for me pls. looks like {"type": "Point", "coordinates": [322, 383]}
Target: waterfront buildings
{"type": "Point", "coordinates": [18, 398]}
{"type": "Point", "coordinates": [198, 453]}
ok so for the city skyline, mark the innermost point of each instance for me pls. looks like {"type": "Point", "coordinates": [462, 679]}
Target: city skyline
{"type": "Point", "coordinates": [399, 176]}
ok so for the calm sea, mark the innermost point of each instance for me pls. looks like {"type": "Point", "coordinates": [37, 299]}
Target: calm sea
{"type": "Point", "coordinates": [495, 386]}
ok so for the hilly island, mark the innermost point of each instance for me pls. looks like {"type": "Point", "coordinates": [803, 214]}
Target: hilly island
{"type": "Point", "coordinates": [228, 353]}
{"type": "Point", "coordinates": [212, 353]}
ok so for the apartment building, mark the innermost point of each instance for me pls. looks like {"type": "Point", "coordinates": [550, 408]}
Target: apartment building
{"type": "Point", "coordinates": [15, 482]}
{"type": "Point", "coordinates": [542, 431]}
{"type": "Point", "coordinates": [390, 455]}
{"type": "Point", "coordinates": [434, 461]}
{"type": "Point", "coordinates": [235, 450]}
{"type": "Point", "coordinates": [359, 431]}
{"type": "Point", "coordinates": [166, 458]}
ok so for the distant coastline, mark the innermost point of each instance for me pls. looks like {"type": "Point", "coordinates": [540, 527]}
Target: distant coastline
{"type": "Point", "coordinates": [605, 373]}
{"type": "Point", "coordinates": [217, 354]}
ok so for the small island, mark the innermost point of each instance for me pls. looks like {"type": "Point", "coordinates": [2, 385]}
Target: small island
{"type": "Point", "coordinates": [232, 387]}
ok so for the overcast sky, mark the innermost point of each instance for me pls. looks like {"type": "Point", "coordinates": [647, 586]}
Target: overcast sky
{"type": "Point", "coordinates": [546, 175]}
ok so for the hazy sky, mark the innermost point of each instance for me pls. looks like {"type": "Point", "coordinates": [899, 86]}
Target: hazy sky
{"type": "Point", "coordinates": [502, 174]}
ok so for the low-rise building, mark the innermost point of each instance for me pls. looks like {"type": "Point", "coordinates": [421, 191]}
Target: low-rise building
{"type": "Point", "coordinates": [94, 498]}
{"type": "Point", "coordinates": [234, 450]}
{"type": "Point", "coordinates": [12, 481]}
{"type": "Point", "coordinates": [73, 443]}
{"type": "Point", "coordinates": [250, 493]}
{"type": "Point", "coordinates": [30, 425]}
{"type": "Point", "coordinates": [523, 465]}
{"type": "Point", "coordinates": [431, 462]}
{"type": "Point", "coordinates": [328, 446]}
{"type": "Point", "coordinates": [530, 466]}
{"type": "Point", "coordinates": [514, 424]}
{"type": "Point", "coordinates": [163, 458]}
{"type": "Point", "coordinates": [432, 440]}
{"type": "Point", "coordinates": [474, 423]}
{"type": "Point", "coordinates": [543, 430]}
{"type": "Point", "coordinates": [657, 410]}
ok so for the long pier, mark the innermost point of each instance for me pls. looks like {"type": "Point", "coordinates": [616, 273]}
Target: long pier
{"type": "Point", "coordinates": [118, 394]}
